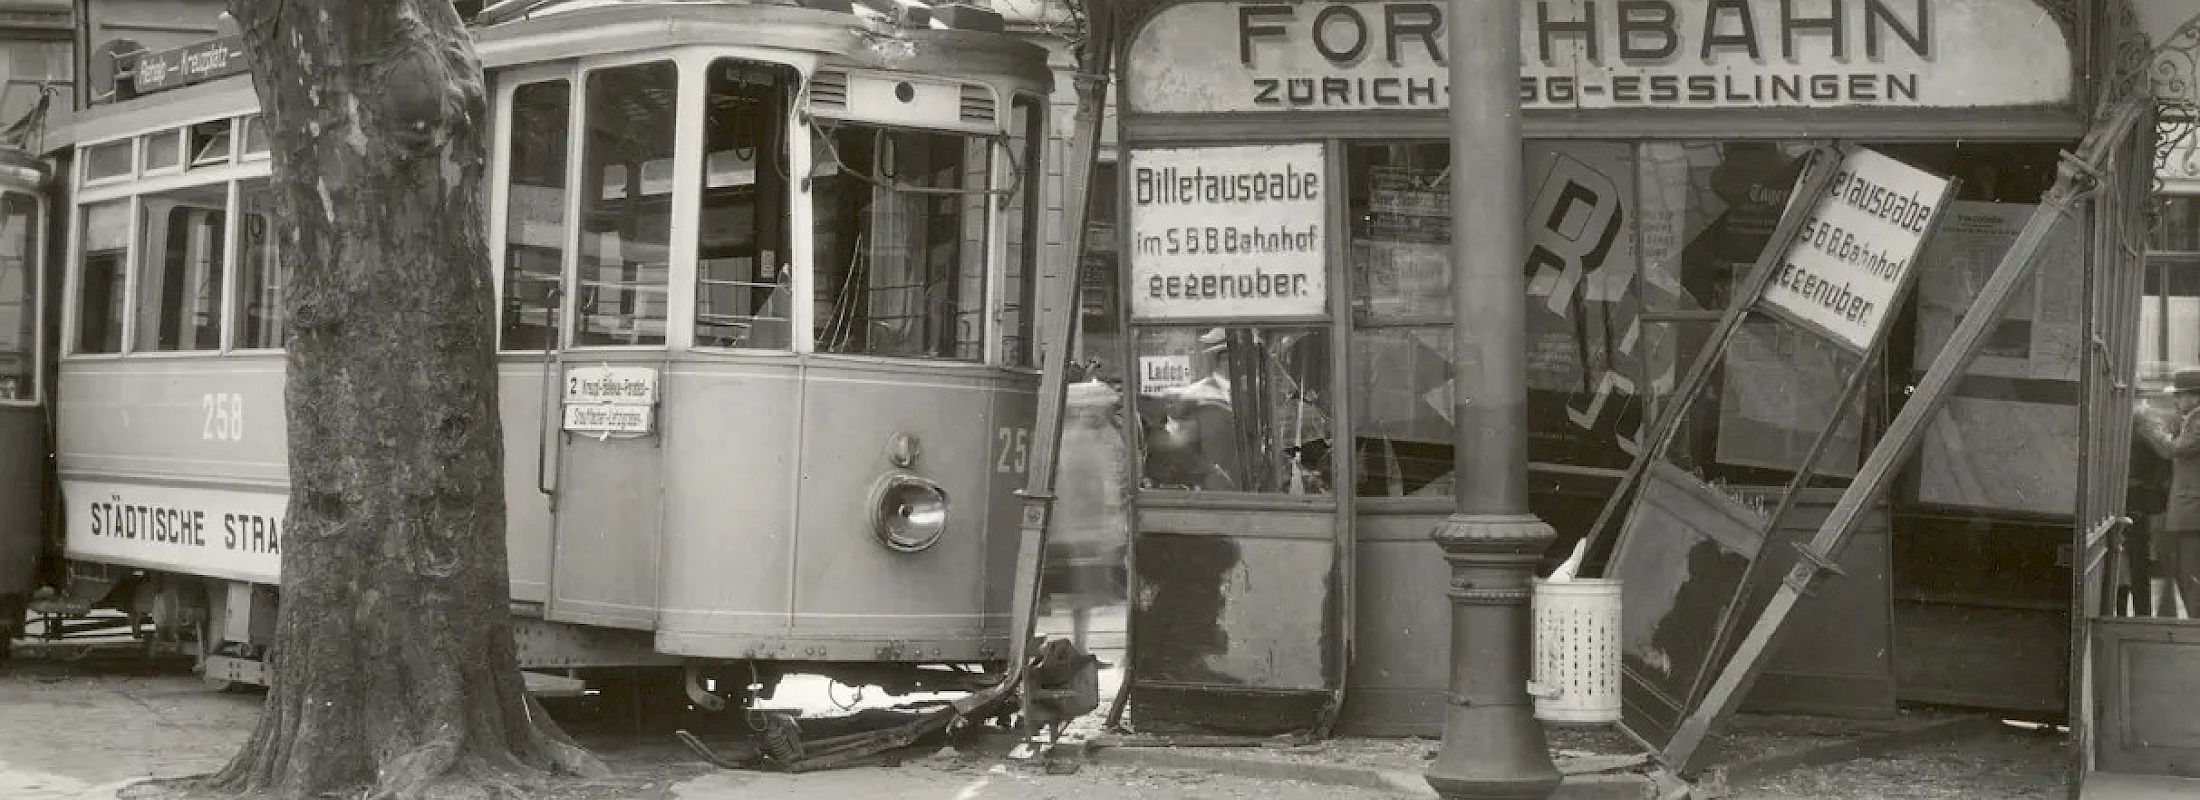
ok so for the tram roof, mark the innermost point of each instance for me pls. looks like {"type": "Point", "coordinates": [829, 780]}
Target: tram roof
{"type": "Point", "coordinates": [844, 33]}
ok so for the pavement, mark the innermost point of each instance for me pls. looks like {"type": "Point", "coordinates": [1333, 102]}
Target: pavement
{"type": "Point", "coordinates": [81, 730]}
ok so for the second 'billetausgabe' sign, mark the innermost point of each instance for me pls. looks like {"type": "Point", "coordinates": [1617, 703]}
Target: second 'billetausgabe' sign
{"type": "Point", "coordinates": [1856, 247]}
{"type": "Point", "coordinates": [1227, 232]}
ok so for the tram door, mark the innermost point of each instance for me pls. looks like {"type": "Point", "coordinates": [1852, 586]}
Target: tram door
{"type": "Point", "coordinates": [605, 427]}
{"type": "Point", "coordinates": [1239, 594]}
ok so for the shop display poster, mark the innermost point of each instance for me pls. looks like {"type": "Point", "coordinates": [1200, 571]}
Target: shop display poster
{"type": "Point", "coordinates": [1844, 269]}
{"type": "Point", "coordinates": [1228, 233]}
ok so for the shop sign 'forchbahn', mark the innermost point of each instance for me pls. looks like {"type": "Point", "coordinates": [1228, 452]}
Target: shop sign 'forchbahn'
{"type": "Point", "coordinates": [1576, 54]}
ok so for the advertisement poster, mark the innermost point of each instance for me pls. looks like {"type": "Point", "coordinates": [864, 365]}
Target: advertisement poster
{"type": "Point", "coordinates": [1222, 233]}
{"type": "Point", "coordinates": [1585, 339]}
{"type": "Point", "coordinates": [2009, 437]}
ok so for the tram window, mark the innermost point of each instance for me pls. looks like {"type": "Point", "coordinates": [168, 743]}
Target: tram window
{"type": "Point", "coordinates": [261, 276]}
{"type": "Point", "coordinates": [100, 294]}
{"type": "Point", "coordinates": [1020, 284]}
{"type": "Point", "coordinates": [210, 143]}
{"type": "Point", "coordinates": [107, 161]}
{"type": "Point", "coordinates": [534, 232]}
{"type": "Point", "coordinates": [163, 150]}
{"type": "Point", "coordinates": [18, 297]}
{"type": "Point", "coordinates": [744, 289]}
{"type": "Point", "coordinates": [900, 263]}
{"type": "Point", "coordinates": [179, 284]}
{"type": "Point", "coordinates": [255, 136]}
{"type": "Point", "coordinates": [626, 213]}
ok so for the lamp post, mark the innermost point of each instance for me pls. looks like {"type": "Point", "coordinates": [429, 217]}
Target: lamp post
{"type": "Point", "coordinates": [1493, 746]}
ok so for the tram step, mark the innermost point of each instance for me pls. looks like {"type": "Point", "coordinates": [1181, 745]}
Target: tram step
{"type": "Point", "coordinates": [542, 684]}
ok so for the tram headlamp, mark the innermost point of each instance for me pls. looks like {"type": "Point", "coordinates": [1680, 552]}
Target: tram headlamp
{"type": "Point", "coordinates": [908, 513]}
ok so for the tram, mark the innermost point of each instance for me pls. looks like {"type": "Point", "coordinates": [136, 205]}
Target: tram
{"type": "Point", "coordinates": [23, 369]}
{"type": "Point", "coordinates": [766, 281]}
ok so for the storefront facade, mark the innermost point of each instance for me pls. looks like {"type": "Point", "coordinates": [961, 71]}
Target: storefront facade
{"type": "Point", "coordinates": [1284, 281]}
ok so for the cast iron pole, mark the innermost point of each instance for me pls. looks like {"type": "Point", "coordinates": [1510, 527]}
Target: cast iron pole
{"type": "Point", "coordinates": [1493, 745]}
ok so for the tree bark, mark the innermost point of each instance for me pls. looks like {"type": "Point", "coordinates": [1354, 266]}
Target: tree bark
{"type": "Point", "coordinates": [394, 667]}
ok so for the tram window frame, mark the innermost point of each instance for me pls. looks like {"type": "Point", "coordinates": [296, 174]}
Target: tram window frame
{"type": "Point", "coordinates": [30, 308]}
{"type": "Point", "coordinates": [114, 332]}
{"type": "Point", "coordinates": [273, 270]}
{"type": "Point", "coordinates": [252, 144]}
{"type": "Point", "coordinates": [90, 156]}
{"type": "Point", "coordinates": [212, 143]}
{"type": "Point", "coordinates": [1024, 216]}
{"type": "Point", "coordinates": [768, 325]}
{"type": "Point", "coordinates": [976, 204]}
{"type": "Point", "coordinates": [168, 143]}
{"type": "Point", "coordinates": [591, 252]}
{"type": "Point", "coordinates": [188, 245]}
{"type": "Point", "coordinates": [559, 166]}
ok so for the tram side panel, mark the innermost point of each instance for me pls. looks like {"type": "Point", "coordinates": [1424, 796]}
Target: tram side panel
{"type": "Point", "coordinates": [527, 459]}
{"type": "Point", "coordinates": [176, 464]}
{"type": "Point", "coordinates": [730, 532]}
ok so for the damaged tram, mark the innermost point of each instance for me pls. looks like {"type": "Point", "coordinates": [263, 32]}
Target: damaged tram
{"type": "Point", "coordinates": [767, 299]}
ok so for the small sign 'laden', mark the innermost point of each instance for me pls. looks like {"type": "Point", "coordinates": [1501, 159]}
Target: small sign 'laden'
{"type": "Point", "coordinates": [1857, 247]}
{"type": "Point", "coordinates": [1228, 232]}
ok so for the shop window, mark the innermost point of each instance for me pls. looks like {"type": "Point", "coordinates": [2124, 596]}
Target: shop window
{"type": "Point", "coordinates": [626, 206]}
{"type": "Point", "coordinates": [259, 322]}
{"type": "Point", "coordinates": [534, 219]}
{"type": "Point", "coordinates": [900, 233]}
{"type": "Point", "coordinates": [18, 297]}
{"type": "Point", "coordinates": [1402, 406]}
{"type": "Point", "coordinates": [744, 294]}
{"type": "Point", "coordinates": [179, 282]}
{"type": "Point", "coordinates": [163, 150]}
{"type": "Point", "coordinates": [1025, 207]}
{"type": "Point", "coordinates": [105, 242]}
{"type": "Point", "coordinates": [107, 161]}
{"type": "Point", "coordinates": [1238, 409]}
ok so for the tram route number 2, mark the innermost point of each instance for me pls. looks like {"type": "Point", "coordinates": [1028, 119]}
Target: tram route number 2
{"type": "Point", "coordinates": [224, 417]}
{"type": "Point", "coordinates": [1015, 449]}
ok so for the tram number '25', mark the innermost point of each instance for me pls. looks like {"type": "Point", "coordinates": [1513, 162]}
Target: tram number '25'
{"type": "Point", "coordinates": [224, 417]}
{"type": "Point", "coordinates": [1015, 449]}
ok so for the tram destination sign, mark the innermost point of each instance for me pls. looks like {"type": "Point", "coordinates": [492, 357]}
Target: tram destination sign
{"type": "Point", "coordinates": [1856, 248]}
{"type": "Point", "coordinates": [1207, 57]}
{"type": "Point", "coordinates": [1233, 232]}
{"type": "Point", "coordinates": [183, 66]}
{"type": "Point", "coordinates": [606, 400]}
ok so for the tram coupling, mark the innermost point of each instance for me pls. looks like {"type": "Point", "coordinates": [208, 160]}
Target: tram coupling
{"type": "Point", "coordinates": [1062, 684]}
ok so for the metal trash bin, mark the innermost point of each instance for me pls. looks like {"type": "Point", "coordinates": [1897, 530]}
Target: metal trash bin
{"type": "Point", "coordinates": [1576, 676]}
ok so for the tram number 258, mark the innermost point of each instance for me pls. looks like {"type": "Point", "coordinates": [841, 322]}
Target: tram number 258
{"type": "Point", "coordinates": [1014, 450]}
{"type": "Point", "coordinates": [224, 417]}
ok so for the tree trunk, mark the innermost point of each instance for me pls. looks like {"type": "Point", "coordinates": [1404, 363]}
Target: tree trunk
{"type": "Point", "coordinates": [393, 662]}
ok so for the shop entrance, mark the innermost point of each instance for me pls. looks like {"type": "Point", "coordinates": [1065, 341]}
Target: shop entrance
{"type": "Point", "coordinates": [1238, 593]}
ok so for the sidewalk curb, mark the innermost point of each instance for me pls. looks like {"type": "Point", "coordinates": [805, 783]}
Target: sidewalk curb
{"type": "Point", "coordinates": [1596, 786]}
{"type": "Point", "coordinates": [1861, 747]}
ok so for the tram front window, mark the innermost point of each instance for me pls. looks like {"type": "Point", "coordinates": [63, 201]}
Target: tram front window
{"type": "Point", "coordinates": [179, 285]}
{"type": "Point", "coordinates": [901, 241]}
{"type": "Point", "coordinates": [744, 291]}
{"type": "Point", "coordinates": [18, 297]}
{"type": "Point", "coordinates": [626, 206]}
